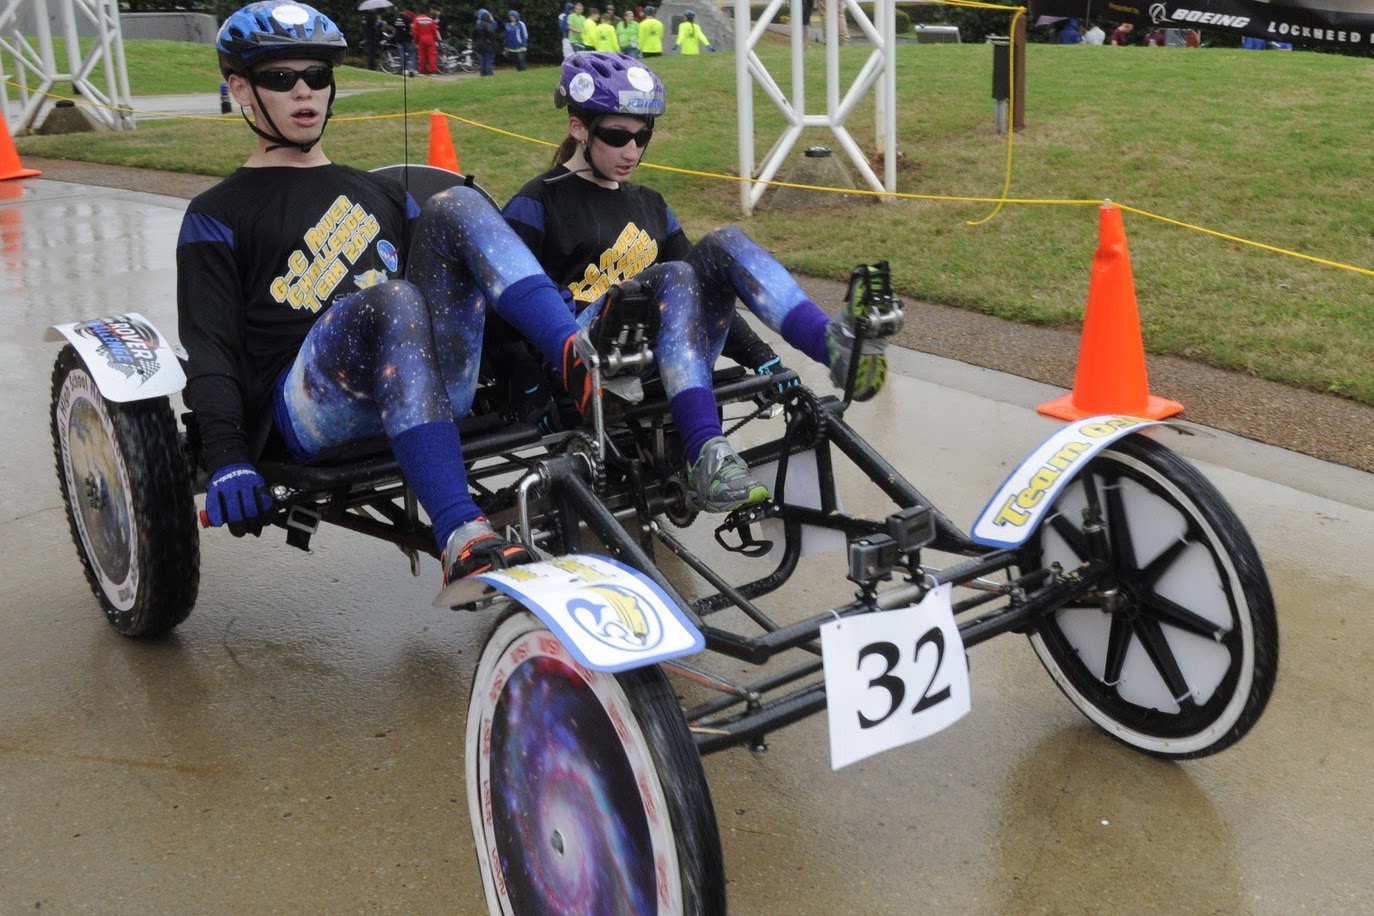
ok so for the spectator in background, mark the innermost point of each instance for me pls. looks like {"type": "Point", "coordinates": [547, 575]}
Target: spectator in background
{"type": "Point", "coordinates": [1066, 32]}
{"type": "Point", "coordinates": [627, 34]}
{"type": "Point", "coordinates": [576, 22]}
{"type": "Point", "coordinates": [372, 37]}
{"type": "Point", "coordinates": [1094, 35]}
{"type": "Point", "coordinates": [1123, 35]}
{"type": "Point", "coordinates": [650, 34]}
{"type": "Point", "coordinates": [564, 41]}
{"type": "Point", "coordinates": [517, 40]}
{"type": "Point", "coordinates": [425, 28]}
{"type": "Point", "coordinates": [1154, 38]}
{"type": "Point", "coordinates": [404, 40]}
{"type": "Point", "coordinates": [484, 42]}
{"type": "Point", "coordinates": [690, 37]}
{"type": "Point", "coordinates": [600, 31]}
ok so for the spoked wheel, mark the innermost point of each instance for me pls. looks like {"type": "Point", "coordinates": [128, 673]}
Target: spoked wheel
{"type": "Point", "coordinates": [129, 503]}
{"type": "Point", "coordinates": [585, 789]}
{"type": "Point", "coordinates": [390, 61]}
{"type": "Point", "coordinates": [1177, 651]}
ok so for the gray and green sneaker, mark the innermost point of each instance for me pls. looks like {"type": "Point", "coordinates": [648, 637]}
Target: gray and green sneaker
{"type": "Point", "coordinates": [720, 481]}
{"type": "Point", "coordinates": [870, 303]}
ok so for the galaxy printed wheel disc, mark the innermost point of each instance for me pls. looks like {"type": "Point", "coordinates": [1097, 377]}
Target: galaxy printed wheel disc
{"type": "Point", "coordinates": [571, 816]}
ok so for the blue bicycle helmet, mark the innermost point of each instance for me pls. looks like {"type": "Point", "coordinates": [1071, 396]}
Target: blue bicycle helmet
{"type": "Point", "coordinates": [602, 83]}
{"type": "Point", "coordinates": [277, 29]}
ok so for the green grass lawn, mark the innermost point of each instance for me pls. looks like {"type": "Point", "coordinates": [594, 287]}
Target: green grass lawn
{"type": "Point", "coordinates": [1263, 147]}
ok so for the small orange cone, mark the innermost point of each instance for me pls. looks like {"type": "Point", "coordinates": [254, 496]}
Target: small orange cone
{"type": "Point", "coordinates": [441, 154]}
{"type": "Point", "coordinates": [10, 166]}
{"type": "Point", "coordinates": [1111, 374]}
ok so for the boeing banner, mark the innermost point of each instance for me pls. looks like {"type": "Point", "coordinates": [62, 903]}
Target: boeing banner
{"type": "Point", "coordinates": [1337, 25]}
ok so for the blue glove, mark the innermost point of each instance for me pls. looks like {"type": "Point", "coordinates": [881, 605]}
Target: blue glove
{"type": "Point", "coordinates": [711, 48]}
{"type": "Point", "coordinates": [774, 366]}
{"type": "Point", "coordinates": [236, 495]}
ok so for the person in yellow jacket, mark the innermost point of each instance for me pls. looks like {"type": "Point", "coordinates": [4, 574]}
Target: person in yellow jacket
{"type": "Point", "coordinates": [650, 34]}
{"type": "Point", "coordinates": [599, 32]}
{"type": "Point", "coordinates": [690, 37]}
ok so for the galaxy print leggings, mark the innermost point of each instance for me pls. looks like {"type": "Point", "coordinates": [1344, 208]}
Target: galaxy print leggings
{"type": "Point", "coordinates": [404, 353]}
{"type": "Point", "coordinates": [729, 265]}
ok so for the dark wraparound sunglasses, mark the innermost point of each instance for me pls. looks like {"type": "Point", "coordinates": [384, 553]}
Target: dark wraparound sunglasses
{"type": "Point", "coordinates": [283, 79]}
{"type": "Point", "coordinates": [619, 136]}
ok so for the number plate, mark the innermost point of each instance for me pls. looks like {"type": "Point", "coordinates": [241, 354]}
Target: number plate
{"type": "Point", "coordinates": [893, 677]}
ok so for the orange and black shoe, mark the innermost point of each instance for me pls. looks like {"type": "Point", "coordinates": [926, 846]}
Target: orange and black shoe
{"type": "Point", "coordinates": [577, 378]}
{"type": "Point", "coordinates": [477, 548]}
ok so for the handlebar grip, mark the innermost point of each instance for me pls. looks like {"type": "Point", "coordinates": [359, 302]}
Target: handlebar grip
{"type": "Point", "coordinates": [204, 518]}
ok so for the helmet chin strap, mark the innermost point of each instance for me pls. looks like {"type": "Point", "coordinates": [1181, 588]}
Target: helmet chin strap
{"type": "Point", "coordinates": [587, 151]}
{"type": "Point", "coordinates": [275, 138]}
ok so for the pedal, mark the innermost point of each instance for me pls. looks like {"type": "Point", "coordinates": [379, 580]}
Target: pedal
{"type": "Point", "coordinates": [869, 302]}
{"type": "Point", "coordinates": [740, 522]}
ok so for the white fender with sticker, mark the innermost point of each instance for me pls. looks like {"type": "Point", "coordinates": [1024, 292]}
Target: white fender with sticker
{"type": "Point", "coordinates": [129, 359]}
{"type": "Point", "coordinates": [610, 616]}
{"type": "Point", "coordinates": [1020, 504]}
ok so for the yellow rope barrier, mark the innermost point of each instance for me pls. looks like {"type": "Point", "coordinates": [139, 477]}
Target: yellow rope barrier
{"type": "Point", "coordinates": [999, 202]}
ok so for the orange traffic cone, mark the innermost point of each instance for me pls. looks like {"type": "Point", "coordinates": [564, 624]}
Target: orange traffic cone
{"type": "Point", "coordinates": [9, 156]}
{"type": "Point", "coordinates": [1111, 356]}
{"type": "Point", "coordinates": [441, 152]}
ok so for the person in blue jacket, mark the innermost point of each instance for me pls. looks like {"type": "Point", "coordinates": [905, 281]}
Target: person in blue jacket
{"type": "Point", "coordinates": [517, 40]}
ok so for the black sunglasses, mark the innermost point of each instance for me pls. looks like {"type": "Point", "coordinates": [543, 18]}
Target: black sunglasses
{"type": "Point", "coordinates": [619, 136]}
{"type": "Point", "coordinates": [283, 79]}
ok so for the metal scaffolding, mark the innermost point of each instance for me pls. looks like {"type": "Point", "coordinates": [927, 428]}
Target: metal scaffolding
{"type": "Point", "coordinates": [29, 59]}
{"type": "Point", "coordinates": [878, 73]}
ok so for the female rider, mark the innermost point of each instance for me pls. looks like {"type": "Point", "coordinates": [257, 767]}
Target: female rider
{"type": "Point", "coordinates": [591, 228]}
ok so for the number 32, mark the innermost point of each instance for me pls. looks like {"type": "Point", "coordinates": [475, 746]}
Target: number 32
{"type": "Point", "coordinates": [894, 685]}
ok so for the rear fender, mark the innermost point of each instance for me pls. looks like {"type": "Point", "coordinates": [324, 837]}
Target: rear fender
{"type": "Point", "coordinates": [127, 356]}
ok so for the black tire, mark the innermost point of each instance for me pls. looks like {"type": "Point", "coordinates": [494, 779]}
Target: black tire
{"type": "Point", "coordinates": [1177, 653]}
{"type": "Point", "coordinates": [390, 61]}
{"type": "Point", "coordinates": [596, 794]}
{"type": "Point", "coordinates": [130, 507]}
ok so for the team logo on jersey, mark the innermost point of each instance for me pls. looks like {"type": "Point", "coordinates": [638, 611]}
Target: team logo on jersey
{"type": "Point", "coordinates": [334, 244]}
{"type": "Point", "coordinates": [127, 345]}
{"type": "Point", "coordinates": [634, 250]}
{"type": "Point", "coordinates": [390, 256]}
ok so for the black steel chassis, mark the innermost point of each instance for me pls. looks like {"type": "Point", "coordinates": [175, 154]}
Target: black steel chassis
{"type": "Point", "coordinates": [558, 489]}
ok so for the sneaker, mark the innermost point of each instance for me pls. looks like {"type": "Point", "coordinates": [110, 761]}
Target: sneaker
{"type": "Point", "coordinates": [870, 291]}
{"type": "Point", "coordinates": [720, 481]}
{"type": "Point", "coordinates": [577, 378]}
{"type": "Point", "coordinates": [477, 548]}
{"type": "Point", "coordinates": [839, 341]}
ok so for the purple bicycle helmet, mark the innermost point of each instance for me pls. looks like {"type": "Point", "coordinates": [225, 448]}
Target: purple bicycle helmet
{"type": "Point", "coordinates": [277, 29]}
{"type": "Point", "coordinates": [604, 83]}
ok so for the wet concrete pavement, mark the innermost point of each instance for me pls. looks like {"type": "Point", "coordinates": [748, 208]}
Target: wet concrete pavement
{"type": "Point", "coordinates": [296, 745]}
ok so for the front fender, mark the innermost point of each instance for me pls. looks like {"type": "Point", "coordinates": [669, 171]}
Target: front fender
{"type": "Point", "coordinates": [127, 356]}
{"type": "Point", "coordinates": [1019, 505]}
{"type": "Point", "coordinates": [609, 616]}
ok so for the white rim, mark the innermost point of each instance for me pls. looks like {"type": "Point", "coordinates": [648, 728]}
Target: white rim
{"type": "Point", "coordinates": [1239, 614]}
{"type": "Point", "coordinates": [80, 396]}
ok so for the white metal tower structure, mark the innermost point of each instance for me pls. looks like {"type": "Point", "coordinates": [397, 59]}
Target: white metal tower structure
{"type": "Point", "coordinates": [30, 58]}
{"type": "Point", "coordinates": [879, 73]}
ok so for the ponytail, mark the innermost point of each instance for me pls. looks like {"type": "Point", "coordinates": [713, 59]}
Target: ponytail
{"type": "Point", "coordinates": [565, 150]}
